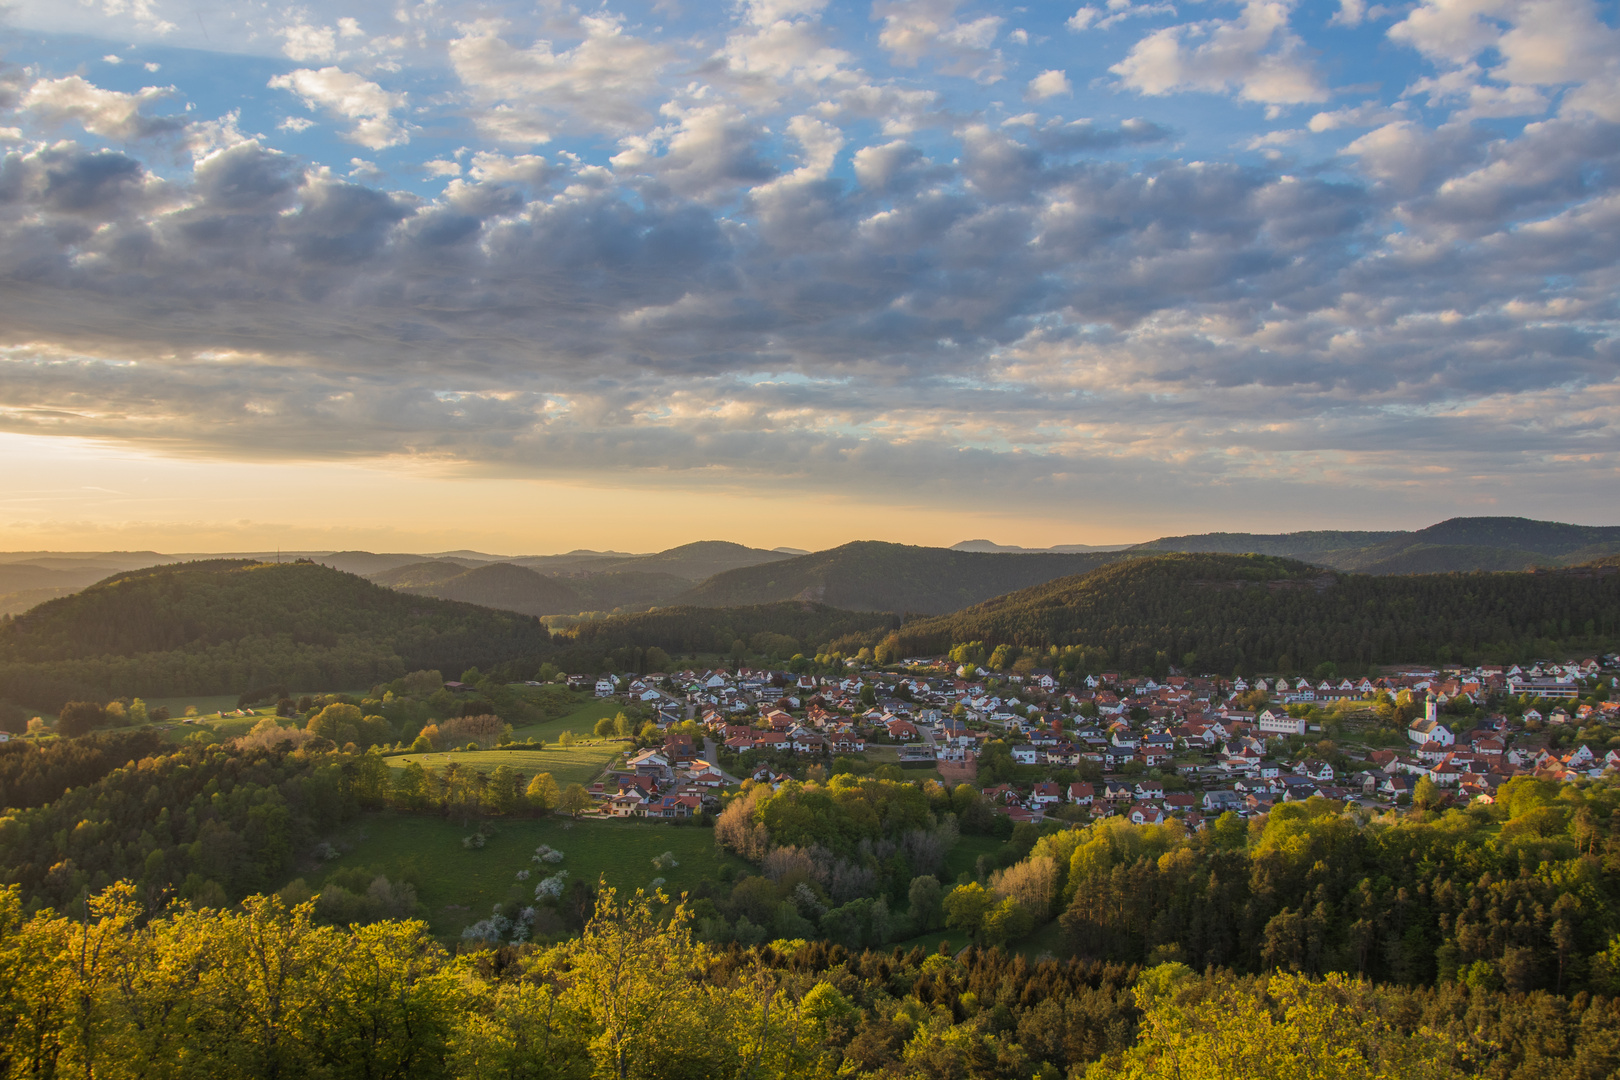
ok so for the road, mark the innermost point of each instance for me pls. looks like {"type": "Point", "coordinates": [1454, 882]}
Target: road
{"type": "Point", "coordinates": [711, 754]}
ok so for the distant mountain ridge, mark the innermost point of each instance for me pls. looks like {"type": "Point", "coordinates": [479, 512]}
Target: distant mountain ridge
{"type": "Point", "coordinates": [871, 575]}
{"type": "Point", "coordinates": [1014, 549]}
{"type": "Point", "coordinates": [511, 587]}
{"type": "Point", "coordinates": [1221, 612]}
{"type": "Point", "coordinates": [224, 625]}
{"type": "Point", "coordinates": [865, 575]}
{"type": "Point", "coordinates": [1454, 545]}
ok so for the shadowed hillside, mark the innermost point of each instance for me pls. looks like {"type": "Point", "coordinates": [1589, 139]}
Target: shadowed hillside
{"type": "Point", "coordinates": [869, 575]}
{"type": "Point", "coordinates": [1221, 612]}
{"type": "Point", "coordinates": [223, 625]}
{"type": "Point", "coordinates": [1483, 543]}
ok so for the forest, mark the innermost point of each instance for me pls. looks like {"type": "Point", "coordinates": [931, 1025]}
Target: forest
{"type": "Point", "coordinates": [1228, 613]}
{"type": "Point", "coordinates": [221, 626]}
{"type": "Point", "coordinates": [684, 630]}
{"type": "Point", "coordinates": [263, 990]}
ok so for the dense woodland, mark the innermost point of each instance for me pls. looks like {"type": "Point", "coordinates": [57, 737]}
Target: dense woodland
{"type": "Point", "coordinates": [685, 630]}
{"type": "Point", "coordinates": [1458, 544]}
{"type": "Point", "coordinates": [265, 991]}
{"type": "Point", "coordinates": [35, 773]}
{"type": "Point", "coordinates": [1258, 613]}
{"type": "Point", "coordinates": [225, 625]}
{"type": "Point", "coordinates": [872, 576]}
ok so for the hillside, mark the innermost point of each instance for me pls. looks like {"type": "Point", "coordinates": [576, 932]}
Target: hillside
{"type": "Point", "coordinates": [679, 630]}
{"type": "Point", "coordinates": [870, 575]}
{"type": "Point", "coordinates": [509, 587]}
{"type": "Point", "coordinates": [990, 545]}
{"type": "Point", "coordinates": [223, 625]}
{"type": "Point", "coordinates": [694, 562]}
{"type": "Point", "coordinates": [1219, 612]}
{"type": "Point", "coordinates": [1458, 544]}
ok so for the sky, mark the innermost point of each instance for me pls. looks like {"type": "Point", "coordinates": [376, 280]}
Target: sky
{"type": "Point", "coordinates": [529, 278]}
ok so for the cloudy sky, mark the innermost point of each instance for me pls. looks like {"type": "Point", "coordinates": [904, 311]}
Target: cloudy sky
{"type": "Point", "coordinates": [533, 277]}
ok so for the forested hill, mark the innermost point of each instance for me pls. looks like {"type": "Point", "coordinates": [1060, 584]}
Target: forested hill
{"type": "Point", "coordinates": [1220, 612]}
{"type": "Point", "coordinates": [1482, 543]}
{"type": "Point", "coordinates": [511, 587]}
{"type": "Point", "coordinates": [870, 575]}
{"type": "Point", "coordinates": [780, 629]}
{"type": "Point", "coordinates": [224, 625]}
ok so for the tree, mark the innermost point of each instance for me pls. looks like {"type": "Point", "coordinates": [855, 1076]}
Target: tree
{"type": "Point", "coordinates": [925, 896]}
{"type": "Point", "coordinates": [79, 718]}
{"type": "Point", "coordinates": [1007, 922]}
{"type": "Point", "coordinates": [1426, 795]}
{"type": "Point", "coordinates": [604, 727]}
{"type": "Point", "coordinates": [621, 725]}
{"type": "Point", "coordinates": [966, 907]}
{"type": "Point", "coordinates": [574, 801]}
{"type": "Point", "coordinates": [504, 791]}
{"type": "Point", "coordinates": [631, 974]}
{"type": "Point", "coordinates": [542, 793]}
{"type": "Point", "coordinates": [338, 722]}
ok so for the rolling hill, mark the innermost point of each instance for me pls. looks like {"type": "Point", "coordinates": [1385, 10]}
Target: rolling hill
{"type": "Point", "coordinates": [1458, 544]}
{"type": "Point", "coordinates": [772, 629]}
{"type": "Point", "coordinates": [870, 575]}
{"type": "Point", "coordinates": [694, 562]}
{"type": "Point", "coordinates": [1218, 612]}
{"type": "Point", "coordinates": [224, 625]}
{"type": "Point", "coordinates": [510, 587]}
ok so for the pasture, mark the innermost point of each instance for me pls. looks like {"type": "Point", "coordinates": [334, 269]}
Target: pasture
{"type": "Point", "coordinates": [459, 885]}
{"type": "Point", "coordinates": [577, 764]}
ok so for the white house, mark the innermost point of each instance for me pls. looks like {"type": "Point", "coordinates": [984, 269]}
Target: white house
{"type": "Point", "coordinates": [1272, 723]}
{"type": "Point", "coordinates": [1430, 730]}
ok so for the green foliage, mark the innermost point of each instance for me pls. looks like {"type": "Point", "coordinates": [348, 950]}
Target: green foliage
{"type": "Point", "coordinates": [1526, 891]}
{"type": "Point", "coordinates": [870, 575]}
{"type": "Point", "coordinates": [36, 773]}
{"type": "Point", "coordinates": [213, 627]}
{"type": "Point", "coordinates": [1237, 611]}
{"type": "Point", "coordinates": [267, 990]}
{"type": "Point", "coordinates": [200, 820]}
{"type": "Point", "coordinates": [679, 630]}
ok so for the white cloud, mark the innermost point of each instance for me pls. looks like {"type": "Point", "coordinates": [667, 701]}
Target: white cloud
{"type": "Point", "coordinates": [1118, 11]}
{"type": "Point", "coordinates": [108, 113]}
{"type": "Point", "coordinates": [1367, 114]}
{"type": "Point", "coordinates": [368, 107]}
{"type": "Point", "coordinates": [296, 124]}
{"type": "Point", "coordinates": [601, 84]}
{"type": "Point", "coordinates": [442, 167]}
{"type": "Point", "coordinates": [1048, 84]}
{"type": "Point", "coordinates": [1275, 138]}
{"type": "Point", "coordinates": [915, 29]}
{"type": "Point", "coordinates": [303, 42]}
{"type": "Point", "coordinates": [1350, 13]}
{"type": "Point", "coordinates": [1255, 56]}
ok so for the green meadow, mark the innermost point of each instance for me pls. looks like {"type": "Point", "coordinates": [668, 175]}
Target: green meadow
{"type": "Point", "coordinates": [577, 764]}
{"type": "Point", "coordinates": [460, 885]}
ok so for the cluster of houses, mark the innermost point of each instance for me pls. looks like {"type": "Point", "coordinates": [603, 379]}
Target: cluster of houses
{"type": "Point", "coordinates": [1186, 725]}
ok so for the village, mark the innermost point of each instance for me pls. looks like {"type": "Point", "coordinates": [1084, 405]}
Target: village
{"type": "Point", "coordinates": [1184, 748]}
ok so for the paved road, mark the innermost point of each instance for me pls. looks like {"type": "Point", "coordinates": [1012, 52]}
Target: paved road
{"type": "Point", "coordinates": [711, 754]}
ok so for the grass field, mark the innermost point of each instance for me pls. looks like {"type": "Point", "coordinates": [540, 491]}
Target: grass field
{"type": "Point", "coordinates": [966, 852]}
{"type": "Point", "coordinates": [579, 764]}
{"type": "Point", "coordinates": [580, 720]}
{"type": "Point", "coordinates": [460, 885]}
